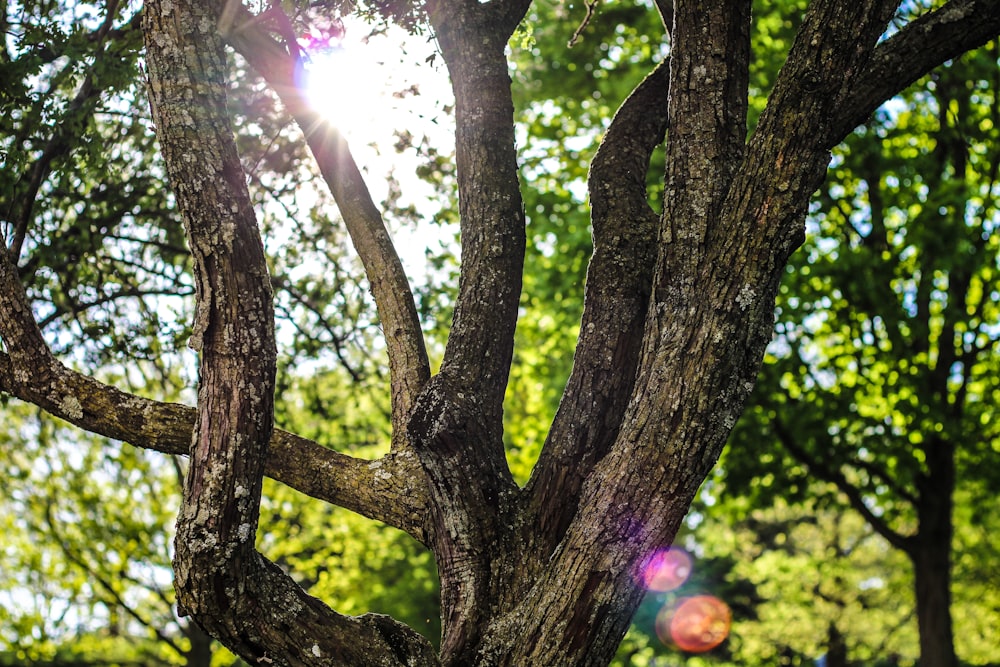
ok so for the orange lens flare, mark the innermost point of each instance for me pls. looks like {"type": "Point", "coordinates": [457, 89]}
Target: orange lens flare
{"type": "Point", "coordinates": [696, 624]}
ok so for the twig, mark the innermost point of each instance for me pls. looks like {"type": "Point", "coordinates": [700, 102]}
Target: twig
{"type": "Point", "coordinates": [591, 8]}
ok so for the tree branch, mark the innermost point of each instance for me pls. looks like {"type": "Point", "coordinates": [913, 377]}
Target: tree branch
{"type": "Point", "coordinates": [829, 473]}
{"type": "Point", "coordinates": [920, 46]}
{"type": "Point", "coordinates": [879, 473]}
{"type": "Point", "coordinates": [618, 285]}
{"type": "Point", "coordinates": [472, 40]}
{"type": "Point", "coordinates": [29, 372]}
{"type": "Point", "coordinates": [384, 490]}
{"type": "Point", "coordinates": [510, 12]}
{"type": "Point", "coordinates": [666, 11]}
{"type": "Point", "coordinates": [409, 369]}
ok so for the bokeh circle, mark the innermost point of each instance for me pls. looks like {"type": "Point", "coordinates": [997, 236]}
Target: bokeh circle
{"type": "Point", "coordinates": [665, 570]}
{"type": "Point", "coordinates": [695, 624]}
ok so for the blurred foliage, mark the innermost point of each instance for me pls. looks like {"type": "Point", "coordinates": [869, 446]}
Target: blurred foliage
{"type": "Point", "coordinates": [80, 186]}
{"type": "Point", "coordinates": [822, 577]}
{"type": "Point", "coordinates": [84, 558]}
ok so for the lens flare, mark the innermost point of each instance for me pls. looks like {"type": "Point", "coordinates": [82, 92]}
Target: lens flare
{"type": "Point", "coordinates": [696, 624]}
{"type": "Point", "coordinates": [665, 570]}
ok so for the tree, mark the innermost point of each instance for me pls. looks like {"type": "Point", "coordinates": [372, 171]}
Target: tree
{"type": "Point", "coordinates": [883, 378]}
{"type": "Point", "coordinates": [677, 313]}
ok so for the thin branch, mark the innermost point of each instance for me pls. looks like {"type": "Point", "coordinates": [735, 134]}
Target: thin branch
{"type": "Point", "coordinates": [591, 8]}
{"type": "Point", "coordinates": [408, 364]}
{"type": "Point", "coordinates": [131, 292]}
{"type": "Point", "coordinates": [281, 282]}
{"type": "Point", "coordinates": [57, 145]}
{"type": "Point", "coordinates": [885, 478]}
{"type": "Point", "coordinates": [160, 245]}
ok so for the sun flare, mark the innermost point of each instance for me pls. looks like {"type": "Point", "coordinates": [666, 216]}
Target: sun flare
{"type": "Point", "coordinates": [365, 86]}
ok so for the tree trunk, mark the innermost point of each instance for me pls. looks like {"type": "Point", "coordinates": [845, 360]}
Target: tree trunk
{"type": "Point", "coordinates": [931, 555]}
{"type": "Point", "coordinates": [836, 648]}
{"type": "Point", "coordinates": [932, 568]}
{"type": "Point", "coordinates": [200, 653]}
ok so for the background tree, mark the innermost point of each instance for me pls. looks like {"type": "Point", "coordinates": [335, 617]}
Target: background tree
{"type": "Point", "coordinates": [825, 584]}
{"type": "Point", "coordinates": [677, 313]}
{"type": "Point", "coordinates": [882, 381]}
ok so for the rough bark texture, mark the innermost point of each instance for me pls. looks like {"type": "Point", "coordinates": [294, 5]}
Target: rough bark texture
{"type": "Point", "coordinates": [408, 365]}
{"type": "Point", "coordinates": [678, 310]}
{"type": "Point", "coordinates": [617, 297]}
{"type": "Point", "coordinates": [235, 594]}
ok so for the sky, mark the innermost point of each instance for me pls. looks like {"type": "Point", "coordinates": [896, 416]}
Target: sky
{"type": "Point", "coordinates": [373, 86]}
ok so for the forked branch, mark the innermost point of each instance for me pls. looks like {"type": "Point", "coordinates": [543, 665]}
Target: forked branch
{"type": "Point", "coordinates": [472, 37]}
{"type": "Point", "coordinates": [237, 595]}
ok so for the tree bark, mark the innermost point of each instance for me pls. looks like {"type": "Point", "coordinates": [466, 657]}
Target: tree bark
{"type": "Point", "coordinates": [200, 653]}
{"type": "Point", "coordinates": [617, 297]}
{"type": "Point", "coordinates": [408, 366]}
{"type": "Point", "coordinates": [836, 648]}
{"type": "Point", "coordinates": [932, 572]}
